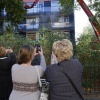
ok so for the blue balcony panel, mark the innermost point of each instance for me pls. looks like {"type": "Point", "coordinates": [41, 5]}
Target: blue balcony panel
{"type": "Point", "coordinates": [38, 10]}
{"type": "Point", "coordinates": [54, 26]}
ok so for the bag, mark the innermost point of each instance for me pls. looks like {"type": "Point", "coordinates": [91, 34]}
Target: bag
{"type": "Point", "coordinates": [44, 90]}
{"type": "Point", "coordinates": [43, 96]}
{"type": "Point", "coordinates": [44, 87]}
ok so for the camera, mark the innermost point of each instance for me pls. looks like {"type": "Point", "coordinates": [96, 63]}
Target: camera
{"type": "Point", "coordinates": [38, 48]}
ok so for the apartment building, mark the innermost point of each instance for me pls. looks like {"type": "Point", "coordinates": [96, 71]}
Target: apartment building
{"type": "Point", "coordinates": [46, 13]}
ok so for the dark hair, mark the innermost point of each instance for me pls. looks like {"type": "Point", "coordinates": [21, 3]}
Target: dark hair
{"type": "Point", "coordinates": [25, 54]}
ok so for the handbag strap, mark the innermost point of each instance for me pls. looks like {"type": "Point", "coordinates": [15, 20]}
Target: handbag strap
{"type": "Point", "coordinates": [40, 84]}
{"type": "Point", "coordinates": [71, 82]}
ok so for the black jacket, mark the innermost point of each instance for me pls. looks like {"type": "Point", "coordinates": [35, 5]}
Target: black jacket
{"type": "Point", "coordinates": [5, 75]}
{"type": "Point", "coordinates": [60, 87]}
{"type": "Point", "coordinates": [36, 60]}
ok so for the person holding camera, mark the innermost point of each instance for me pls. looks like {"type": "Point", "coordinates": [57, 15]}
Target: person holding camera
{"type": "Point", "coordinates": [24, 74]}
{"type": "Point", "coordinates": [7, 59]}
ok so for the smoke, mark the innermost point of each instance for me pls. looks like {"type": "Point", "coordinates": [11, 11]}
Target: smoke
{"type": "Point", "coordinates": [49, 17]}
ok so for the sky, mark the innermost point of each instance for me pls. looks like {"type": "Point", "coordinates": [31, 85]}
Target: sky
{"type": "Point", "coordinates": [81, 20]}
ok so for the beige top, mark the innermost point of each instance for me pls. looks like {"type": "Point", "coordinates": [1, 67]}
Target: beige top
{"type": "Point", "coordinates": [25, 81]}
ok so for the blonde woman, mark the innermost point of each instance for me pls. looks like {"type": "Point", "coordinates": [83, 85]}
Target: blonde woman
{"type": "Point", "coordinates": [24, 75]}
{"type": "Point", "coordinates": [6, 63]}
{"type": "Point", "coordinates": [60, 86]}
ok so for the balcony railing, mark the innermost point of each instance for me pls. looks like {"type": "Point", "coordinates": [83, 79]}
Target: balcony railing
{"type": "Point", "coordinates": [43, 9]}
{"type": "Point", "coordinates": [55, 25]}
{"type": "Point", "coordinates": [37, 10]}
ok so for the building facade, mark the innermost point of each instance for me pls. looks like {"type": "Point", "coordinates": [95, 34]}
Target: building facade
{"type": "Point", "coordinates": [46, 13]}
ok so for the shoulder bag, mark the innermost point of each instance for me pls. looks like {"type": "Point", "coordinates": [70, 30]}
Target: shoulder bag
{"type": "Point", "coordinates": [71, 82]}
{"type": "Point", "coordinates": [44, 87]}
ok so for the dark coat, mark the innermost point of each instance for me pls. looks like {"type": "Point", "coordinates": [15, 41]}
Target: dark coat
{"type": "Point", "coordinates": [60, 87]}
{"type": "Point", "coordinates": [5, 75]}
{"type": "Point", "coordinates": [36, 60]}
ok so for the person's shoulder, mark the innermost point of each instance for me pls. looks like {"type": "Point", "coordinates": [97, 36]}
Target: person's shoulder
{"type": "Point", "coordinates": [51, 66]}
{"type": "Point", "coordinates": [15, 66]}
{"type": "Point", "coordinates": [38, 66]}
{"type": "Point", "coordinates": [75, 60]}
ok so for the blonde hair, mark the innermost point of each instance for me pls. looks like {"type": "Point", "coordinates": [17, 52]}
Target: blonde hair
{"type": "Point", "coordinates": [2, 51]}
{"type": "Point", "coordinates": [63, 50]}
{"type": "Point", "coordinates": [25, 54]}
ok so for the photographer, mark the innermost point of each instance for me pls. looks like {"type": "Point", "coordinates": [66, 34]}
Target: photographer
{"type": "Point", "coordinates": [7, 59]}
{"type": "Point", "coordinates": [24, 74]}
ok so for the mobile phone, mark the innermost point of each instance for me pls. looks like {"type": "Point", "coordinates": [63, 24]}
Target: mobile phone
{"type": "Point", "coordinates": [38, 48]}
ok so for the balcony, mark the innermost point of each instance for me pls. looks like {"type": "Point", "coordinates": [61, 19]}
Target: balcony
{"type": "Point", "coordinates": [54, 26]}
{"type": "Point", "coordinates": [41, 10]}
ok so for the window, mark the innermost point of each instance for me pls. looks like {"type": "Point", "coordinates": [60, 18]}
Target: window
{"type": "Point", "coordinates": [47, 6]}
{"type": "Point", "coordinates": [66, 19]}
{"type": "Point", "coordinates": [41, 4]}
{"type": "Point", "coordinates": [55, 6]}
{"type": "Point", "coordinates": [31, 36]}
{"type": "Point", "coordinates": [61, 23]}
{"type": "Point", "coordinates": [61, 19]}
{"type": "Point", "coordinates": [32, 23]}
{"type": "Point", "coordinates": [29, 10]}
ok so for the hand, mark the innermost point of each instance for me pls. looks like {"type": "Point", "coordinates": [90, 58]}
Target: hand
{"type": "Point", "coordinates": [9, 51]}
{"type": "Point", "coordinates": [35, 52]}
{"type": "Point", "coordinates": [53, 58]}
{"type": "Point", "coordinates": [39, 52]}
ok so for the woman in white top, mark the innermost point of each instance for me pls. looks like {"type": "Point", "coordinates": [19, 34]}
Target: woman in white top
{"type": "Point", "coordinates": [24, 75]}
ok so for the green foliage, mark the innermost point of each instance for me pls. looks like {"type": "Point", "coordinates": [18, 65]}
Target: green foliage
{"type": "Point", "coordinates": [87, 51]}
{"type": "Point", "coordinates": [14, 41]}
{"type": "Point", "coordinates": [95, 6]}
{"type": "Point", "coordinates": [47, 38]}
{"type": "Point", "coordinates": [9, 29]}
{"type": "Point", "coordinates": [15, 10]}
{"type": "Point", "coordinates": [67, 6]}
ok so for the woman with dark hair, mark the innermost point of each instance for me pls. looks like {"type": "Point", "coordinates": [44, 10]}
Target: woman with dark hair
{"type": "Point", "coordinates": [60, 86]}
{"type": "Point", "coordinates": [24, 75]}
{"type": "Point", "coordinates": [6, 63]}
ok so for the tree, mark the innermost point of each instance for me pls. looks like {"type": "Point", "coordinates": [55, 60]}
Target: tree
{"type": "Point", "coordinates": [15, 11]}
{"type": "Point", "coordinates": [95, 6]}
{"type": "Point", "coordinates": [68, 5]}
{"type": "Point", "coordinates": [87, 51]}
{"type": "Point", "coordinates": [88, 30]}
{"type": "Point", "coordinates": [14, 41]}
